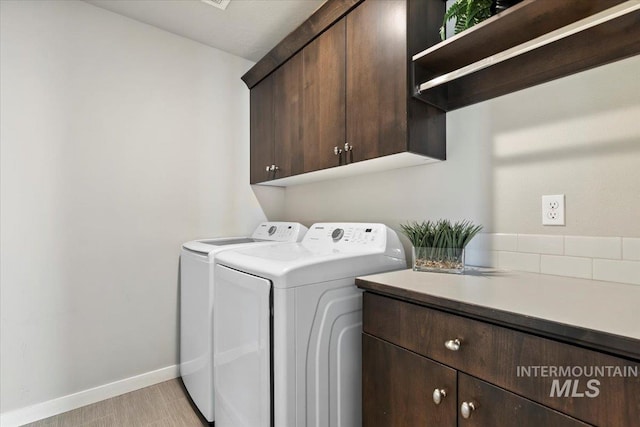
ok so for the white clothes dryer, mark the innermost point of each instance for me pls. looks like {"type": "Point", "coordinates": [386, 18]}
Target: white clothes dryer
{"type": "Point", "coordinates": [197, 304]}
{"type": "Point", "coordinates": [287, 327]}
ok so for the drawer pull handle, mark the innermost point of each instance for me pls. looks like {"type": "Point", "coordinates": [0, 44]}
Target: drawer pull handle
{"type": "Point", "coordinates": [438, 395]}
{"type": "Point", "coordinates": [466, 409]}
{"type": "Point", "coordinates": [453, 345]}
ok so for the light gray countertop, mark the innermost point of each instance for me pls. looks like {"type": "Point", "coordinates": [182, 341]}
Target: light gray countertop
{"type": "Point", "coordinates": [602, 315]}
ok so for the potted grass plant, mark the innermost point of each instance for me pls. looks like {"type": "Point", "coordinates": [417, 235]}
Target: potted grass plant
{"type": "Point", "coordinates": [439, 245]}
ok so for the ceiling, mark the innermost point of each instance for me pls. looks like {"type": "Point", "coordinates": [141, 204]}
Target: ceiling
{"type": "Point", "coordinates": [247, 28]}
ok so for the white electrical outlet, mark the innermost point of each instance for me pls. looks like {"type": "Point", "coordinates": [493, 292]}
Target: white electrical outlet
{"type": "Point", "coordinates": [553, 210]}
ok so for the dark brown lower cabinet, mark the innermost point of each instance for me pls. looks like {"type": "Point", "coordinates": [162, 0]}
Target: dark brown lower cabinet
{"type": "Point", "coordinates": [484, 374]}
{"type": "Point", "coordinates": [488, 405]}
{"type": "Point", "coordinates": [398, 385]}
{"type": "Point", "coordinates": [403, 389]}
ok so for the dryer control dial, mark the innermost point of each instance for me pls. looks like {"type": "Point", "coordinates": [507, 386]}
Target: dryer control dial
{"type": "Point", "coordinates": [272, 230]}
{"type": "Point", "coordinates": [337, 234]}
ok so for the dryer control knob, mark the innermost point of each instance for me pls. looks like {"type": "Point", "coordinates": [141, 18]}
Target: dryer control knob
{"type": "Point", "coordinates": [272, 230]}
{"type": "Point", "coordinates": [337, 234]}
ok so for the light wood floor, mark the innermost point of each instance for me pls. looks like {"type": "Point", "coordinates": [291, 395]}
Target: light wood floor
{"type": "Point", "coordinates": [164, 404]}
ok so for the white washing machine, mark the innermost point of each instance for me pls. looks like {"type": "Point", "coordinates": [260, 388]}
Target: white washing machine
{"type": "Point", "coordinates": [197, 299]}
{"type": "Point", "coordinates": [287, 327]}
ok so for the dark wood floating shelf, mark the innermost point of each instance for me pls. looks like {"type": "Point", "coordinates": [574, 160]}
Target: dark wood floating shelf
{"type": "Point", "coordinates": [483, 49]}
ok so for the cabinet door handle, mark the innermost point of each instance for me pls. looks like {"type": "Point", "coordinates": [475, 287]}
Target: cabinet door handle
{"type": "Point", "coordinates": [272, 168]}
{"type": "Point", "coordinates": [453, 345]}
{"type": "Point", "coordinates": [347, 147]}
{"type": "Point", "coordinates": [438, 395]}
{"type": "Point", "coordinates": [337, 151]}
{"type": "Point", "coordinates": [467, 408]}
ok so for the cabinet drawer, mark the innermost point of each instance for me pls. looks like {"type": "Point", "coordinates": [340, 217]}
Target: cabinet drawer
{"type": "Point", "coordinates": [513, 360]}
{"type": "Point", "coordinates": [497, 407]}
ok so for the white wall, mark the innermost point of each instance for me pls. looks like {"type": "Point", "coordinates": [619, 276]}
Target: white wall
{"type": "Point", "coordinates": [578, 135]}
{"type": "Point", "coordinates": [119, 142]}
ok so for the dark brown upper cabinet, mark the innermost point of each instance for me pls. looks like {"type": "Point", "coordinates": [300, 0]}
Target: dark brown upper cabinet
{"type": "Point", "coordinates": [376, 79]}
{"type": "Point", "coordinates": [323, 112]}
{"type": "Point", "coordinates": [298, 111]}
{"type": "Point", "coordinates": [261, 138]}
{"type": "Point", "coordinates": [298, 96]}
{"type": "Point", "coordinates": [326, 15]}
{"type": "Point", "coordinates": [287, 118]}
{"type": "Point", "coordinates": [382, 116]}
{"type": "Point", "coordinates": [346, 96]}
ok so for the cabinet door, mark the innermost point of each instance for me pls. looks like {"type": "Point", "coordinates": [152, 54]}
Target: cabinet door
{"type": "Point", "coordinates": [324, 99]}
{"type": "Point", "coordinates": [377, 79]}
{"type": "Point", "coordinates": [287, 118]}
{"type": "Point", "coordinates": [497, 407]}
{"type": "Point", "coordinates": [261, 128]}
{"type": "Point", "coordinates": [398, 387]}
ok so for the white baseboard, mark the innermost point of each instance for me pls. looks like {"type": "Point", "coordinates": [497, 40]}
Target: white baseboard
{"type": "Point", "coordinates": [53, 407]}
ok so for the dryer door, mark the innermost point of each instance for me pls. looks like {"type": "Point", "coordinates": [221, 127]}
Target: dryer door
{"type": "Point", "coordinates": [242, 349]}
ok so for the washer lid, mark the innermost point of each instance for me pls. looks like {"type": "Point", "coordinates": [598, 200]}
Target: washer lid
{"type": "Point", "coordinates": [230, 241]}
{"type": "Point", "coordinates": [329, 251]}
{"type": "Point", "coordinates": [265, 232]}
{"type": "Point", "coordinates": [210, 245]}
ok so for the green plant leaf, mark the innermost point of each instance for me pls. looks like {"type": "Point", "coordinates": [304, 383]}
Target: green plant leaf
{"type": "Point", "coordinates": [466, 14]}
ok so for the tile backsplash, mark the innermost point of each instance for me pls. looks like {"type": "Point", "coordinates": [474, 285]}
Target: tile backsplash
{"type": "Point", "coordinates": [614, 259]}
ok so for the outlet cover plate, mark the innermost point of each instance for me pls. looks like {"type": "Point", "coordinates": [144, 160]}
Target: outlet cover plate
{"type": "Point", "coordinates": [553, 209]}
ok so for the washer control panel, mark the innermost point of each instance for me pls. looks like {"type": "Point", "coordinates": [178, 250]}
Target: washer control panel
{"type": "Point", "coordinates": [280, 231]}
{"type": "Point", "coordinates": [347, 236]}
